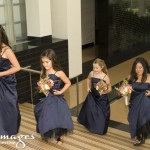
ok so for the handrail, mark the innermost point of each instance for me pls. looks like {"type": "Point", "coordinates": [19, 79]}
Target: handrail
{"type": "Point", "coordinates": [30, 70]}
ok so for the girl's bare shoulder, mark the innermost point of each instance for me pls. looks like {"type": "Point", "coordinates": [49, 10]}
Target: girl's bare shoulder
{"type": "Point", "coordinates": [60, 73]}
{"type": "Point", "coordinates": [91, 74]}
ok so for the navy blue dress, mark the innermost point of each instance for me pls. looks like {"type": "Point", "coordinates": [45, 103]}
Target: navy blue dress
{"type": "Point", "coordinates": [52, 113]}
{"type": "Point", "coordinates": [9, 112]}
{"type": "Point", "coordinates": [139, 110]}
{"type": "Point", "coordinates": [95, 111]}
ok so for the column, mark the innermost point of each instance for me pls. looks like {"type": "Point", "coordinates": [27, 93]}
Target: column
{"type": "Point", "coordinates": [66, 24]}
{"type": "Point", "coordinates": [74, 37]}
{"type": "Point", "coordinates": [38, 14]}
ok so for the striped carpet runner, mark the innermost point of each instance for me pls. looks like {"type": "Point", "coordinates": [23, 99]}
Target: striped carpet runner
{"type": "Point", "coordinates": [80, 139]}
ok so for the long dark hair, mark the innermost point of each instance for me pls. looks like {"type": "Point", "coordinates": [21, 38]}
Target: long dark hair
{"type": "Point", "coordinates": [3, 38]}
{"type": "Point", "coordinates": [50, 54]}
{"type": "Point", "coordinates": [133, 74]}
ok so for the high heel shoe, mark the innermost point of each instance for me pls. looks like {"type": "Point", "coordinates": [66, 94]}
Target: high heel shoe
{"type": "Point", "coordinates": [59, 141]}
{"type": "Point", "coordinates": [138, 143]}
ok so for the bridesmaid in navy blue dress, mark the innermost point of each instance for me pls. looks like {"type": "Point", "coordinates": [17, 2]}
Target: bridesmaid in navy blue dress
{"type": "Point", "coordinates": [139, 108]}
{"type": "Point", "coordinates": [95, 111]}
{"type": "Point", "coordinates": [52, 112]}
{"type": "Point", "coordinates": [9, 112]}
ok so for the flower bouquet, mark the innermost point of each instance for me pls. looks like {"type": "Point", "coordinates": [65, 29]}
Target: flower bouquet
{"type": "Point", "coordinates": [125, 89]}
{"type": "Point", "coordinates": [44, 85]}
{"type": "Point", "coordinates": [101, 86]}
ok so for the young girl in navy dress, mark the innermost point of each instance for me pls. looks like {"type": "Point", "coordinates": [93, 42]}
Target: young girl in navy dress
{"type": "Point", "coordinates": [9, 112]}
{"type": "Point", "coordinates": [139, 108]}
{"type": "Point", "coordinates": [95, 112]}
{"type": "Point", "coordinates": [52, 112]}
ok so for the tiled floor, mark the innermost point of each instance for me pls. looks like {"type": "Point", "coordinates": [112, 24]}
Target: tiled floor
{"type": "Point", "coordinates": [89, 53]}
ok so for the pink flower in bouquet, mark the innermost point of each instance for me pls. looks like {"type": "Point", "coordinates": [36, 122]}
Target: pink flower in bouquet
{"type": "Point", "coordinates": [50, 83]}
{"type": "Point", "coordinates": [44, 85]}
{"type": "Point", "coordinates": [101, 86]}
{"type": "Point", "coordinates": [125, 88]}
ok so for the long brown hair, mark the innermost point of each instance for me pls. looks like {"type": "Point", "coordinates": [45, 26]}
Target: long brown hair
{"type": "Point", "coordinates": [50, 54]}
{"type": "Point", "coordinates": [133, 74]}
{"type": "Point", "coordinates": [101, 63]}
{"type": "Point", "coordinates": [3, 38]}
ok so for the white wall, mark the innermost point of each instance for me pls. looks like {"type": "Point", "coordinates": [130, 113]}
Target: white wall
{"type": "Point", "coordinates": [59, 18]}
{"type": "Point", "coordinates": [38, 15]}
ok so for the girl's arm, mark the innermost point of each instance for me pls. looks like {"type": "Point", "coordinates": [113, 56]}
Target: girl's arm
{"type": "Point", "coordinates": [107, 79]}
{"type": "Point", "coordinates": [15, 64]}
{"type": "Point", "coordinates": [66, 81]}
{"type": "Point", "coordinates": [88, 81]}
{"type": "Point", "coordinates": [148, 91]}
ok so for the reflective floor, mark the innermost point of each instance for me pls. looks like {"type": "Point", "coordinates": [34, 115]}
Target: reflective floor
{"type": "Point", "coordinates": [117, 73]}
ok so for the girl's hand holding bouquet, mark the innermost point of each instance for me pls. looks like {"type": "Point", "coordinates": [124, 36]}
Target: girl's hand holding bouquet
{"type": "Point", "coordinates": [101, 86]}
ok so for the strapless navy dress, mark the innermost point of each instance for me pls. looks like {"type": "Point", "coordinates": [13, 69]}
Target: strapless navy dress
{"type": "Point", "coordinates": [139, 110]}
{"type": "Point", "coordinates": [95, 111]}
{"type": "Point", "coordinates": [9, 112]}
{"type": "Point", "coordinates": [52, 113]}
